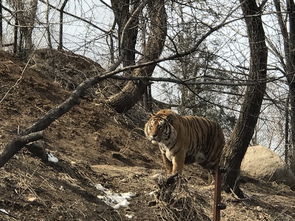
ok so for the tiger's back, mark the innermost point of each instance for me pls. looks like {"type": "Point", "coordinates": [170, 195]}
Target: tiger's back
{"type": "Point", "coordinates": [205, 141]}
{"type": "Point", "coordinates": [185, 139]}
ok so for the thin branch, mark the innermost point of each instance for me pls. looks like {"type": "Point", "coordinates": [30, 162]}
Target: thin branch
{"type": "Point", "coordinates": [77, 17]}
{"type": "Point", "coordinates": [106, 4]}
{"type": "Point", "coordinates": [196, 45]}
{"type": "Point", "coordinates": [18, 80]}
{"type": "Point", "coordinates": [192, 81]}
{"type": "Point", "coordinates": [60, 45]}
{"type": "Point", "coordinates": [7, 9]}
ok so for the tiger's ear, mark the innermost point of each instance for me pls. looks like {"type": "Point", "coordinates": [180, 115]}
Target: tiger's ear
{"type": "Point", "coordinates": [169, 118]}
{"type": "Point", "coordinates": [152, 115]}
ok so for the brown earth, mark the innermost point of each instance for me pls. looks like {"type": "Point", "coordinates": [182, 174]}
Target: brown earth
{"type": "Point", "coordinates": [94, 146]}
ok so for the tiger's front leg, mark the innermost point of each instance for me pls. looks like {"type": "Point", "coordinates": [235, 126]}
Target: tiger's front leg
{"type": "Point", "coordinates": [178, 162]}
{"type": "Point", "coordinates": [167, 163]}
{"type": "Point", "coordinates": [174, 170]}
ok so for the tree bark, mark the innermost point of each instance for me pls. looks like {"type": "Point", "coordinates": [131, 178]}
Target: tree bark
{"type": "Point", "coordinates": [48, 25]}
{"type": "Point", "coordinates": [1, 25]}
{"type": "Point", "coordinates": [244, 128]}
{"type": "Point", "coordinates": [287, 144]}
{"type": "Point", "coordinates": [25, 16]}
{"type": "Point", "coordinates": [289, 66]}
{"type": "Point", "coordinates": [61, 18]}
{"type": "Point", "coordinates": [13, 147]}
{"type": "Point", "coordinates": [127, 22]}
{"type": "Point", "coordinates": [133, 91]}
{"type": "Point", "coordinates": [290, 76]}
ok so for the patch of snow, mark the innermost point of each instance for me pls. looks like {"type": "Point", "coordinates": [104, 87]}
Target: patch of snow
{"type": "Point", "coordinates": [129, 216]}
{"type": "Point", "coordinates": [4, 211]}
{"type": "Point", "coordinates": [100, 187]}
{"type": "Point", "coordinates": [115, 200]}
{"type": "Point", "coordinates": [52, 158]}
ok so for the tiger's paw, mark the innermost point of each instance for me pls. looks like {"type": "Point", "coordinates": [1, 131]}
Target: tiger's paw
{"type": "Point", "coordinates": [172, 179]}
{"type": "Point", "coordinates": [158, 178]}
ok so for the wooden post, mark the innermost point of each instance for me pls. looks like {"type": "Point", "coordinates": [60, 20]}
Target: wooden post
{"type": "Point", "coordinates": [217, 206]}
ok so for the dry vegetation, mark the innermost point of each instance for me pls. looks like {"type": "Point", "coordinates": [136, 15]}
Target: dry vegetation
{"type": "Point", "coordinates": [95, 145]}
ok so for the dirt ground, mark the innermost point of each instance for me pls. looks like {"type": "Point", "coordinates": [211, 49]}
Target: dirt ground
{"type": "Point", "coordinates": [100, 155]}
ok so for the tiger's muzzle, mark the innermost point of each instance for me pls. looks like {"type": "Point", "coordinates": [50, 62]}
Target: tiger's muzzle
{"type": "Point", "coordinates": [155, 138]}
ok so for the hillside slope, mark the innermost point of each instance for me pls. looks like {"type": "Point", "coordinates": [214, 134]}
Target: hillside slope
{"type": "Point", "coordinates": [100, 155]}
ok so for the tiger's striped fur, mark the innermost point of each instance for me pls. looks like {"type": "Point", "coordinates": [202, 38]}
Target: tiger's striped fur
{"type": "Point", "coordinates": [185, 139]}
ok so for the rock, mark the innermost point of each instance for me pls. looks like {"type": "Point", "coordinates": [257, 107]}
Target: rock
{"type": "Point", "coordinates": [262, 163]}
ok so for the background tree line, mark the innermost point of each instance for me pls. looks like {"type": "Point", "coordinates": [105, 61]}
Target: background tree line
{"type": "Point", "coordinates": [231, 61]}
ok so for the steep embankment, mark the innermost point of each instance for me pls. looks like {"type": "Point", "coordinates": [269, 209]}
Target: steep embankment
{"type": "Point", "coordinates": [101, 155]}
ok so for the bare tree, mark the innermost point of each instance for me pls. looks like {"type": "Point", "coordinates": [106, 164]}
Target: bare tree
{"type": "Point", "coordinates": [1, 25]}
{"type": "Point", "coordinates": [250, 110]}
{"type": "Point", "coordinates": [133, 91]}
{"type": "Point", "coordinates": [288, 62]}
{"type": "Point", "coordinates": [48, 25]}
{"type": "Point", "coordinates": [127, 18]}
{"type": "Point", "coordinates": [61, 16]}
{"type": "Point", "coordinates": [25, 11]}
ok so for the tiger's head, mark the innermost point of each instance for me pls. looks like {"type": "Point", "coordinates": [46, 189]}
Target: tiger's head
{"type": "Point", "coordinates": [159, 128]}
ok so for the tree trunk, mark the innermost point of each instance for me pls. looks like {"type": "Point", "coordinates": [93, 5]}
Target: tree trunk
{"type": "Point", "coordinates": [133, 91]}
{"type": "Point", "coordinates": [290, 76]}
{"type": "Point", "coordinates": [289, 66]}
{"type": "Point", "coordinates": [25, 16]}
{"type": "Point", "coordinates": [287, 144]}
{"type": "Point", "coordinates": [127, 20]}
{"type": "Point", "coordinates": [61, 25]}
{"type": "Point", "coordinates": [244, 128]}
{"type": "Point", "coordinates": [48, 25]}
{"type": "Point", "coordinates": [1, 25]}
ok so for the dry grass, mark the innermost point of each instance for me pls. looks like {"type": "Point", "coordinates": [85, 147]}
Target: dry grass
{"type": "Point", "coordinates": [176, 201]}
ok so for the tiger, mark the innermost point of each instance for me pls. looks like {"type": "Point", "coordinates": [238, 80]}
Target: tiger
{"type": "Point", "coordinates": [185, 140]}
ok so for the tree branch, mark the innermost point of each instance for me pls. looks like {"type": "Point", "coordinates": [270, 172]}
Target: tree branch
{"type": "Point", "coordinates": [34, 132]}
{"type": "Point", "coordinates": [13, 147]}
{"type": "Point", "coordinates": [194, 82]}
{"type": "Point", "coordinates": [75, 16]}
